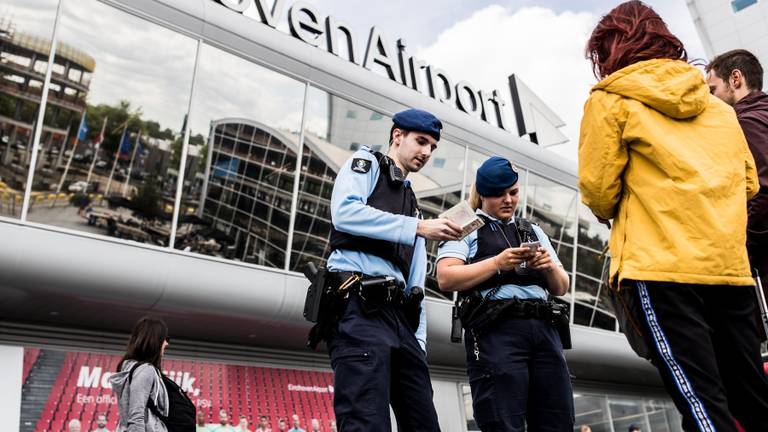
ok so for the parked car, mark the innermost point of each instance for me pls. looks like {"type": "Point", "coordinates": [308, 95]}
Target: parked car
{"type": "Point", "coordinates": [80, 186]}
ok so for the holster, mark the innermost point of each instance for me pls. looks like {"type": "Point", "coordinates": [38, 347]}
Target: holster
{"type": "Point", "coordinates": [412, 307]}
{"type": "Point", "coordinates": [323, 305]}
{"type": "Point", "coordinates": [334, 289]}
{"type": "Point", "coordinates": [562, 322]}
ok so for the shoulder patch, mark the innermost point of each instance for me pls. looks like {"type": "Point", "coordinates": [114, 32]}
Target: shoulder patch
{"type": "Point", "coordinates": [361, 165]}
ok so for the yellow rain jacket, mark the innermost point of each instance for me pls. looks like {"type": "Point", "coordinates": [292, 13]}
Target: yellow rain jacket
{"type": "Point", "coordinates": [669, 164]}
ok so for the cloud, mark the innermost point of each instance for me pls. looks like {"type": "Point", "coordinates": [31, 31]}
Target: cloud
{"type": "Point", "coordinates": [543, 47]}
{"type": "Point", "coordinates": [137, 61]}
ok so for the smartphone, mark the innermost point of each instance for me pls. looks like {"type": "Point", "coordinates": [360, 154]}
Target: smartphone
{"type": "Point", "coordinates": [533, 246]}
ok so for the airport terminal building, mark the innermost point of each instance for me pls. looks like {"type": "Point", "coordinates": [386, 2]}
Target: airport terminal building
{"type": "Point", "coordinates": [176, 158]}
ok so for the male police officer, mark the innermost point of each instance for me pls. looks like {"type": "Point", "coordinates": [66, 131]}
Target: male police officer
{"type": "Point", "coordinates": [378, 261]}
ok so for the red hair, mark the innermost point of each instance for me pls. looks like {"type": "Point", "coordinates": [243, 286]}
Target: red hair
{"type": "Point", "coordinates": [630, 33]}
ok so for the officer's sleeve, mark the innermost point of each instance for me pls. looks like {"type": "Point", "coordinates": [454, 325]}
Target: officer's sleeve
{"type": "Point", "coordinates": [417, 277]}
{"type": "Point", "coordinates": [460, 249]}
{"type": "Point", "coordinates": [350, 212]}
{"type": "Point", "coordinates": [546, 244]}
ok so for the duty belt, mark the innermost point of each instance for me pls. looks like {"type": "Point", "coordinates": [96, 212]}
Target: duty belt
{"type": "Point", "coordinates": [525, 309]}
{"type": "Point", "coordinates": [375, 290]}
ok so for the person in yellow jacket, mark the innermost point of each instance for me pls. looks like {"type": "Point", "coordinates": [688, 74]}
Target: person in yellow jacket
{"type": "Point", "coordinates": [668, 164]}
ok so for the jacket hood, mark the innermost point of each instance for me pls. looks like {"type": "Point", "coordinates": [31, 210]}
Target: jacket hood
{"type": "Point", "coordinates": [119, 381]}
{"type": "Point", "coordinates": [672, 87]}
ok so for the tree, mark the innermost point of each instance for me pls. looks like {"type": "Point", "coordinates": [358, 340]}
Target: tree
{"type": "Point", "coordinates": [147, 200]}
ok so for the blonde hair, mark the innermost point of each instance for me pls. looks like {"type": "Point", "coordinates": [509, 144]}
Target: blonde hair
{"type": "Point", "coordinates": [475, 200]}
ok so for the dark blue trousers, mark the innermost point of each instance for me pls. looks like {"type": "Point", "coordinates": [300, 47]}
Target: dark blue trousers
{"type": "Point", "coordinates": [704, 341]}
{"type": "Point", "coordinates": [520, 378]}
{"type": "Point", "coordinates": [377, 361]}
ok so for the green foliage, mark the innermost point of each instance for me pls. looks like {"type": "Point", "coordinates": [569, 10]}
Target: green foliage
{"type": "Point", "coordinates": [7, 105]}
{"type": "Point", "coordinates": [147, 200]}
{"type": "Point", "coordinates": [117, 118]}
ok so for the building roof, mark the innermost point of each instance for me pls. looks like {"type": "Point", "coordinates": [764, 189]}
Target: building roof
{"type": "Point", "coordinates": [42, 46]}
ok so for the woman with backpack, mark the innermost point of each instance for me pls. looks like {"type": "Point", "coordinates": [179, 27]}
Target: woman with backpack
{"type": "Point", "coordinates": [149, 401]}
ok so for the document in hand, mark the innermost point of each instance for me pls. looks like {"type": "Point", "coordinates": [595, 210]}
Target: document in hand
{"type": "Point", "coordinates": [463, 215]}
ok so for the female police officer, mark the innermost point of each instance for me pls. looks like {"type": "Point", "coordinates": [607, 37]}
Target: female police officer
{"type": "Point", "coordinates": [515, 360]}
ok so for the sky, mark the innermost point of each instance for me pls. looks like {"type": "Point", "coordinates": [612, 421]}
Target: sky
{"type": "Point", "coordinates": [541, 41]}
{"type": "Point", "coordinates": [480, 41]}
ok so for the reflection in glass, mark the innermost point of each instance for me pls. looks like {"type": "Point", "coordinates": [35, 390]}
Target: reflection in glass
{"type": "Point", "coordinates": [607, 413]}
{"type": "Point", "coordinates": [114, 120]}
{"type": "Point", "coordinates": [591, 411]}
{"type": "Point", "coordinates": [553, 207]}
{"type": "Point", "coordinates": [240, 169]}
{"type": "Point", "coordinates": [663, 417]}
{"type": "Point", "coordinates": [592, 234]}
{"type": "Point", "coordinates": [438, 188]}
{"type": "Point", "coordinates": [625, 412]}
{"type": "Point", "coordinates": [26, 28]}
{"type": "Point", "coordinates": [334, 129]}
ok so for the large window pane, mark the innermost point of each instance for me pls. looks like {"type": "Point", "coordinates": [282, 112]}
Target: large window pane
{"type": "Point", "coordinates": [625, 412]}
{"type": "Point", "coordinates": [591, 411]}
{"type": "Point", "coordinates": [26, 28]}
{"type": "Point", "coordinates": [334, 129]}
{"type": "Point", "coordinates": [592, 234]}
{"type": "Point", "coordinates": [438, 187]}
{"type": "Point", "coordinates": [553, 207]}
{"type": "Point", "coordinates": [112, 140]}
{"type": "Point", "coordinates": [244, 135]}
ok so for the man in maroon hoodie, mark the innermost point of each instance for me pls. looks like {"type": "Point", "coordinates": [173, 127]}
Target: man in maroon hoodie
{"type": "Point", "coordinates": [736, 77]}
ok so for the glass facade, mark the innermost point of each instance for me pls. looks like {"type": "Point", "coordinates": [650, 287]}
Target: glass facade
{"type": "Point", "coordinates": [592, 303]}
{"type": "Point", "coordinates": [607, 412]}
{"type": "Point", "coordinates": [106, 166]}
{"type": "Point", "coordinates": [26, 30]}
{"type": "Point", "coordinates": [120, 130]}
{"type": "Point", "coordinates": [739, 5]}
{"type": "Point", "coordinates": [241, 165]}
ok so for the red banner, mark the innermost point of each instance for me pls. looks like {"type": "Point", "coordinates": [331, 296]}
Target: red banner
{"type": "Point", "coordinates": [75, 386]}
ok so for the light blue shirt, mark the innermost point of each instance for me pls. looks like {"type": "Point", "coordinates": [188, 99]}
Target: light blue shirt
{"type": "Point", "coordinates": [351, 214]}
{"type": "Point", "coordinates": [466, 248]}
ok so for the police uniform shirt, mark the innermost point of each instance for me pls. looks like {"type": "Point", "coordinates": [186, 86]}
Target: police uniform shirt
{"type": "Point", "coordinates": [350, 213]}
{"type": "Point", "coordinates": [467, 248]}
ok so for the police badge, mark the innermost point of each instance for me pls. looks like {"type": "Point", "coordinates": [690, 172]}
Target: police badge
{"type": "Point", "coordinates": [361, 165]}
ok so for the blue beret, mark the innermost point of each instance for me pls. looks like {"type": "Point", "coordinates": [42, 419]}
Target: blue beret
{"type": "Point", "coordinates": [418, 120]}
{"type": "Point", "coordinates": [494, 176]}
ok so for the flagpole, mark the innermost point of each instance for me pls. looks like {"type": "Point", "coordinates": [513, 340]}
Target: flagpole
{"type": "Point", "coordinates": [130, 164]}
{"type": "Point", "coordinates": [95, 154]}
{"type": "Point", "coordinates": [63, 147]}
{"type": "Point", "coordinates": [114, 163]}
{"type": "Point", "coordinates": [69, 161]}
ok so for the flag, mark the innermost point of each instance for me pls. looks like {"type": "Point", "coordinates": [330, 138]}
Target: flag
{"type": "Point", "coordinates": [125, 144]}
{"type": "Point", "coordinates": [100, 136]}
{"type": "Point", "coordinates": [226, 168]}
{"type": "Point", "coordinates": [83, 129]}
{"type": "Point", "coordinates": [143, 151]}
{"type": "Point", "coordinates": [184, 125]}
